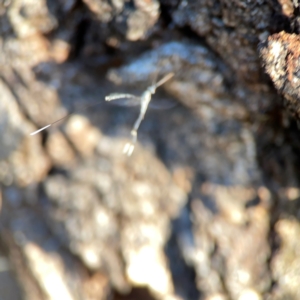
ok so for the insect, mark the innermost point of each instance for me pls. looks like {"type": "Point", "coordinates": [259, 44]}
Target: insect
{"type": "Point", "coordinates": [144, 101]}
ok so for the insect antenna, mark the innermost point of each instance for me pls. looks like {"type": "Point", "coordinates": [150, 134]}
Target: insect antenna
{"type": "Point", "coordinates": [164, 80]}
{"type": "Point", "coordinates": [66, 116]}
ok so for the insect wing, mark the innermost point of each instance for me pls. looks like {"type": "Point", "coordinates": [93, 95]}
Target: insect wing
{"type": "Point", "coordinates": [123, 99]}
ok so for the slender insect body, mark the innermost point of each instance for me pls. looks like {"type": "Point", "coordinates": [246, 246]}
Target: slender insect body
{"type": "Point", "coordinates": [145, 100]}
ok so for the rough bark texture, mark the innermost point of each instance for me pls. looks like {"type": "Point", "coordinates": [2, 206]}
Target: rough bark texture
{"type": "Point", "coordinates": [206, 207]}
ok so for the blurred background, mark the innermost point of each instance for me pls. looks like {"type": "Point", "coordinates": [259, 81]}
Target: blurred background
{"type": "Point", "coordinates": [207, 205]}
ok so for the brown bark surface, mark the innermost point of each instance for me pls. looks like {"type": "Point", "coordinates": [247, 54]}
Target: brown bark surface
{"type": "Point", "coordinates": [207, 205]}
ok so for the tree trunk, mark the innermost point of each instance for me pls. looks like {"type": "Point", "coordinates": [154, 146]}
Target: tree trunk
{"type": "Point", "coordinates": [206, 207]}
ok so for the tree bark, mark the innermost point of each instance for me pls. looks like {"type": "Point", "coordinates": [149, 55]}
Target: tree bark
{"type": "Point", "coordinates": [207, 205]}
